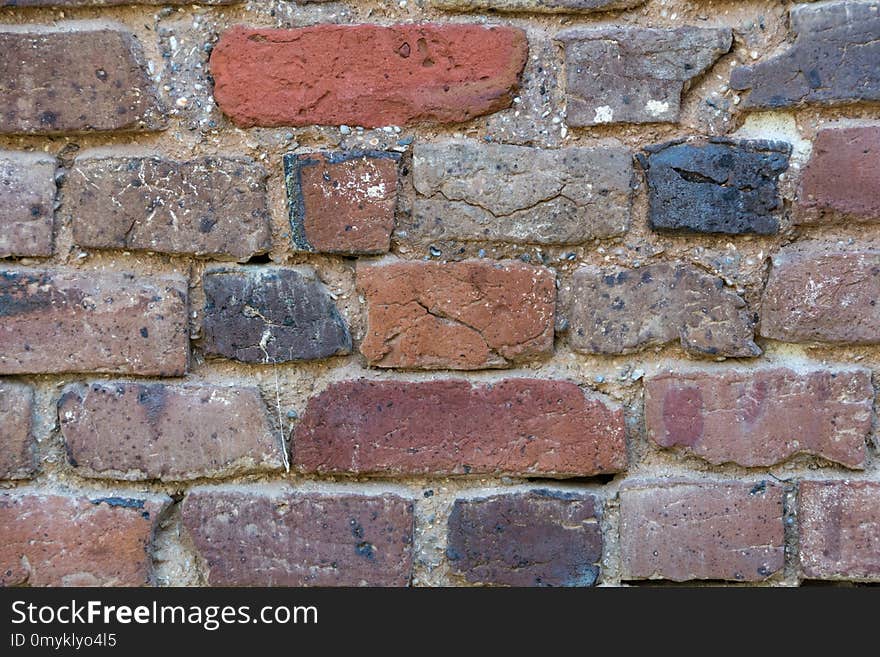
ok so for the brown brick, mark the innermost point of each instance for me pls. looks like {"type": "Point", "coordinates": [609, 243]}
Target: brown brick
{"type": "Point", "coordinates": [281, 537]}
{"type": "Point", "coordinates": [839, 527]}
{"type": "Point", "coordinates": [701, 530]}
{"type": "Point", "coordinates": [464, 315]}
{"type": "Point", "coordinates": [514, 426]}
{"type": "Point", "coordinates": [762, 416]}
{"type": "Point", "coordinates": [16, 437]}
{"type": "Point", "coordinates": [27, 203]}
{"type": "Point", "coordinates": [74, 78]}
{"type": "Point", "coordinates": [66, 320]}
{"type": "Point", "coordinates": [818, 293]}
{"type": "Point", "coordinates": [99, 540]}
{"type": "Point", "coordinates": [540, 538]}
{"type": "Point", "coordinates": [120, 430]}
{"type": "Point", "coordinates": [342, 202]}
{"type": "Point", "coordinates": [212, 206]}
{"type": "Point", "coordinates": [536, 6]}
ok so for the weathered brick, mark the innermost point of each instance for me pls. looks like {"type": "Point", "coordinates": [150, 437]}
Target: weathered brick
{"type": "Point", "coordinates": [282, 537]}
{"type": "Point", "coordinates": [719, 186]}
{"type": "Point", "coordinates": [474, 192]}
{"type": "Point", "coordinates": [211, 206]}
{"type": "Point", "coordinates": [464, 315]}
{"type": "Point", "coordinates": [842, 177]}
{"type": "Point", "coordinates": [74, 79]}
{"type": "Point", "coordinates": [524, 426]}
{"type": "Point", "coordinates": [367, 75]}
{"type": "Point", "coordinates": [539, 538]}
{"type": "Point", "coordinates": [98, 540]}
{"type": "Point", "coordinates": [634, 74]}
{"type": "Point", "coordinates": [342, 202]}
{"type": "Point", "coordinates": [762, 416]}
{"type": "Point", "coordinates": [536, 6]}
{"type": "Point", "coordinates": [27, 203]}
{"type": "Point", "coordinates": [66, 320]}
{"type": "Point", "coordinates": [271, 315]}
{"type": "Point", "coordinates": [629, 310]}
{"type": "Point", "coordinates": [120, 430]}
{"type": "Point", "coordinates": [833, 60]}
{"type": "Point", "coordinates": [108, 3]}
{"type": "Point", "coordinates": [701, 530]}
{"type": "Point", "coordinates": [16, 437]}
{"type": "Point", "coordinates": [816, 293]}
{"type": "Point", "coordinates": [839, 528]}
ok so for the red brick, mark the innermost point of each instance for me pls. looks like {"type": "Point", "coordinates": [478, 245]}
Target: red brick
{"type": "Point", "coordinates": [16, 437]}
{"type": "Point", "coordinates": [281, 537]}
{"type": "Point", "coordinates": [762, 416]}
{"type": "Point", "coordinates": [99, 540]}
{"type": "Point", "coordinates": [464, 315]}
{"type": "Point", "coordinates": [367, 75]}
{"type": "Point", "coordinates": [842, 177]}
{"type": "Point", "coordinates": [136, 431]}
{"type": "Point", "coordinates": [27, 204]}
{"type": "Point", "coordinates": [515, 426]}
{"type": "Point", "coordinates": [66, 320]}
{"type": "Point", "coordinates": [701, 530]}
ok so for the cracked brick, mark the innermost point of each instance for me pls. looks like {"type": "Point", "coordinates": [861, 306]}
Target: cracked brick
{"type": "Point", "coordinates": [27, 204]}
{"type": "Point", "coordinates": [17, 445]}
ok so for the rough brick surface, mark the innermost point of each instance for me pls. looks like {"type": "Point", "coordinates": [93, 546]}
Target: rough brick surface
{"type": "Point", "coordinates": [65, 320]}
{"type": "Point", "coordinates": [833, 59]}
{"type": "Point", "coordinates": [279, 537]}
{"type": "Point", "coordinates": [119, 430]}
{"type": "Point", "coordinates": [762, 416]}
{"type": "Point", "coordinates": [701, 530]}
{"type": "Point", "coordinates": [473, 192]}
{"type": "Point", "coordinates": [634, 74]}
{"type": "Point", "coordinates": [367, 75]}
{"type": "Point", "coordinates": [71, 79]}
{"type": "Point", "coordinates": [271, 315]}
{"type": "Point", "coordinates": [839, 527]}
{"type": "Point", "coordinates": [98, 540]}
{"type": "Point", "coordinates": [211, 206]}
{"type": "Point", "coordinates": [27, 204]}
{"type": "Point", "coordinates": [342, 202]}
{"type": "Point", "coordinates": [842, 177]}
{"type": "Point", "coordinates": [719, 186]}
{"type": "Point", "coordinates": [540, 538]}
{"type": "Point", "coordinates": [465, 315]}
{"type": "Point", "coordinates": [17, 459]}
{"type": "Point", "coordinates": [515, 426]}
{"type": "Point", "coordinates": [629, 310]}
{"type": "Point", "coordinates": [107, 3]}
{"type": "Point", "coordinates": [817, 293]}
{"type": "Point", "coordinates": [536, 6]}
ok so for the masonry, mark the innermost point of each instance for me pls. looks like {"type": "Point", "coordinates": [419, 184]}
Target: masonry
{"type": "Point", "coordinates": [447, 292]}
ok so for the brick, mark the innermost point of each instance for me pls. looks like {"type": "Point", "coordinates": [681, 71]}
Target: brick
{"type": "Point", "coordinates": [132, 431]}
{"type": "Point", "coordinates": [841, 179]}
{"type": "Point", "coordinates": [66, 320]}
{"type": "Point", "coordinates": [701, 530]}
{"type": "Point", "coordinates": [763, 416]}
{"type": "Point", "coordinates": [209, 207]}
{"type": "Point", "coordinates": [281, 537]}
{"type": "Point", "coordinates": [368, 75]}
{"type": "Point", "coordinates": [95, 540]}
{"type": "Point", "coordinates": [539, 538]}
{"type": "Point", "coordinates": [716, 186]}
{"type": "Point", "coordinates": [271, 315]}
{"type": "Point", "coordinates": [525, 427]}
{"type": "Point", "coordinates": [634, 74]}
{"type": "Point", "coordinates": [27, 204]}
{"type": "Point", "coordinates": [108, 3]}
{"type": "Point", "coordinates": [536, 6]}
{"type": "Point", "coordinates": [74, 79]}
{"type": "Point", "coordinates": [817, 293]}
{"type": "Point", "coordinates": [342, 202]}
{"type": "Point", "coordinates": [833, 60]}
{"type": "Point", "coordinates": [631, 309]}
{"type": "Point", "coordinates": [839, 529]}
{"type": "Point", "coordinates": [474, 192]}
{"type": "Point", "coordinates": [16, 431]}
{"type": "Point", "coordinates": [464, 315]}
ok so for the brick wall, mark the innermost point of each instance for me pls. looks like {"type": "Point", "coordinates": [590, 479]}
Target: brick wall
{"type": "Point", "coordinates": [514, 292]}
